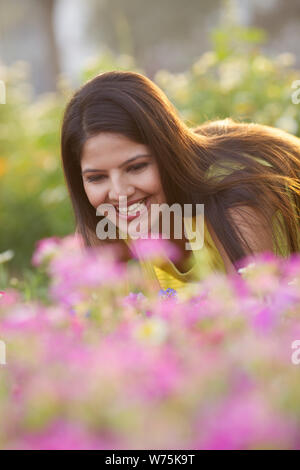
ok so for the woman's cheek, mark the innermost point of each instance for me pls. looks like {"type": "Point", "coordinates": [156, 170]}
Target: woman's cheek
{"type": "Point", "coordinates": [150, 182]}
{"type": "Point", "coordinates": [94, 195]}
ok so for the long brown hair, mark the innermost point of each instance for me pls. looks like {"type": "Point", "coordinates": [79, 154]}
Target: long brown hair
{"type": "Point", "coordinates": [129, 103]}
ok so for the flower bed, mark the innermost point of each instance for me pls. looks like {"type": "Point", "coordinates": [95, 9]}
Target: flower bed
{"type": "Point", "coordinates": [96, 368]}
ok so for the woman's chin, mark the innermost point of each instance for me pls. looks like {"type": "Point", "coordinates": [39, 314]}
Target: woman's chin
{"type": "Point", "coordinates": [139, 227]}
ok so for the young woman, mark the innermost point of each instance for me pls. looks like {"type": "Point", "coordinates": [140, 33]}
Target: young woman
{"type": "Point", "coordinates": [121, 137]}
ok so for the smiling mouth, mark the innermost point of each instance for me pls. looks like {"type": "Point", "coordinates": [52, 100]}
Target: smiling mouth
{"type": "Point", "coordinates": [132, 209]}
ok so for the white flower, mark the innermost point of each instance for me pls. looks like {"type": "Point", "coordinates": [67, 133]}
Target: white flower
{"type": "Point", "coordinates": [6, 256]}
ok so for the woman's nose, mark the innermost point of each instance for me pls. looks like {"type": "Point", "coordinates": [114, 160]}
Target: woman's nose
{"type": "Point", "coordinates": [120, 188]}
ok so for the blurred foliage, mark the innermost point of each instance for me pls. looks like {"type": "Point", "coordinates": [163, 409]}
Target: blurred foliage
{"type": "Point", "coordinates": [233, 79]}
{"type": "Point", "coordinates": [33, 195]}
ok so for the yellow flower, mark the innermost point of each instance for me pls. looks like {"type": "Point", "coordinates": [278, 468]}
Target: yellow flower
{"type": "Point", "coordinates": [152, 330]}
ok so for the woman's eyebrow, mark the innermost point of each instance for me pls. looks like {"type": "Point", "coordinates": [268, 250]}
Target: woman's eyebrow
{"type": "Point", "coordinates": [93, 170]}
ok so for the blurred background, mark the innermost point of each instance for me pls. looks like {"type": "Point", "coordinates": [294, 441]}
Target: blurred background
{"type": "Point", "coordinates": [60, 36]}
{"type": "Point", "coordinates": [213, 59]}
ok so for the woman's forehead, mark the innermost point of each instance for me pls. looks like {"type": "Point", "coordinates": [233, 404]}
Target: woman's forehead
{"type": "Point", "coordinates": [109, 148]}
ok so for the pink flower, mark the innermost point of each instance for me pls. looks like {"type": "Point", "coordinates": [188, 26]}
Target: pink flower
{"type": "Point", "coordinates": [9, 297]}
{"type": "Point", "coordinates": [264, 320]}
{"type": "Point", "coordinates": [62, 435]}
{"type": "Point", "coordinates": [73, 273]}
{"type": "Point", "coordinates": [45, 249]}
{"type": "Point", "coordinates": [245, 421]}
{"type": "Point", "coordinates": [152, 249]}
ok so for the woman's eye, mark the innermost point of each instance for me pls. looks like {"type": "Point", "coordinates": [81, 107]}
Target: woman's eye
{"type": "Point", "coordinates": [100, 178]}
{"type": "Point", "coordinates": [95, 178]}
{"type": "Point", "coordinates": [139, 166]}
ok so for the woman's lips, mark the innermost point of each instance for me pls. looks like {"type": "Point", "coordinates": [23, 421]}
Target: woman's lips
{"type": "Point", "coordinates": [137, 213]}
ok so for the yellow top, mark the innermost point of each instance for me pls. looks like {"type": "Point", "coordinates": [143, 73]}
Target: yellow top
{"type": "Point", "coordinates": [203, 262]}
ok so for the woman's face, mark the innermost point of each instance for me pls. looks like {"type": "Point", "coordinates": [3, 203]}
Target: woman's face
{"type": "Point", "coordinates": [115, 168]}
